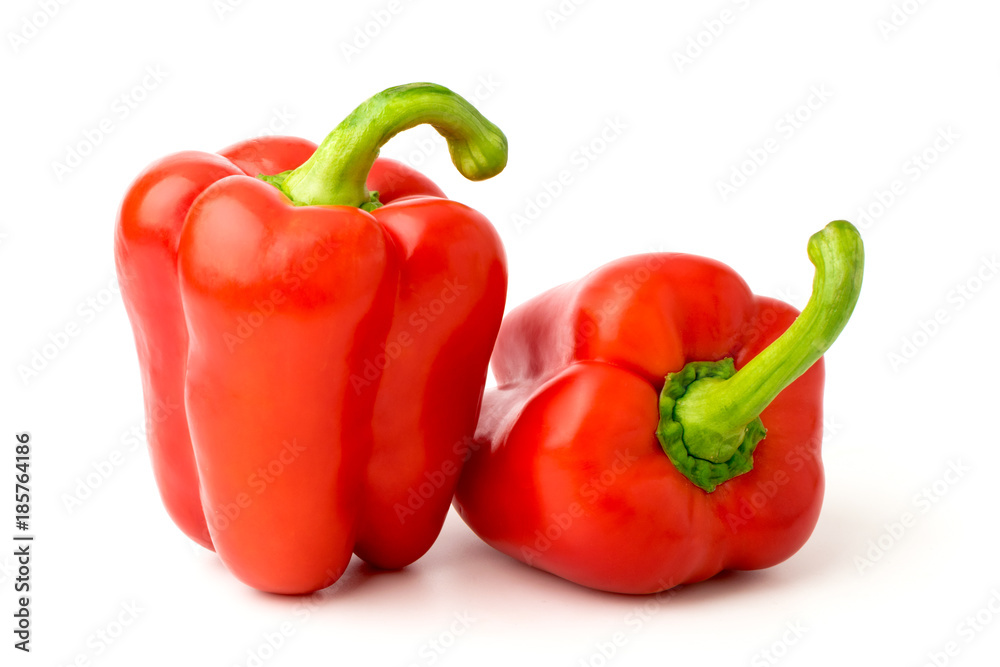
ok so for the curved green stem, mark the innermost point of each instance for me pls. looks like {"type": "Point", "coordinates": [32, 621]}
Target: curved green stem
{"type": "Point", "coordinates": [713, 414]}
{"type": "Point", "coordinates": [336, 172]}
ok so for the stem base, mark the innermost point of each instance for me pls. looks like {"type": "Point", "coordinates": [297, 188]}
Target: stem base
{"type": "Point", "coordinates": [703, 473]}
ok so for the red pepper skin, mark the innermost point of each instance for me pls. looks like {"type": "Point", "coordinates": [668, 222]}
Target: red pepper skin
{"type": "Point", "coordinates": [448, 312]}
{"type": "Point", "coordinates": [280, 439]}
{"type": "Point", "coordinates": [201, 247]}
{"type": "Point", "coordinates": [569, 476]}
{"type": "Point", "coordinates": [146, 238]}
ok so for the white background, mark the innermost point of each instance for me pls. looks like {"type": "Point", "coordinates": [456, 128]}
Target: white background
{"type": "Point", "coordinates": [895, 427]}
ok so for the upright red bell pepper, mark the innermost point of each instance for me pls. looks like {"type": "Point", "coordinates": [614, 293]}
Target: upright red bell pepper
{"type": "Point", "coordinates": [624, 448]}
{"type": "Point", "coordinates": [314, 327]}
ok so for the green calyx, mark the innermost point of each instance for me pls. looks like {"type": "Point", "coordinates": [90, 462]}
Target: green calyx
{"type": "Point", "coordinates": [336, 173]}
{"type": "Point", "coordinates": [710, 413]}
{"type": "Point", "coordinates": [706, 473]}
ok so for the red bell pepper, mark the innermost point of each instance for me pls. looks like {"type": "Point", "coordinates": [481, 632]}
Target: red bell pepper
{"type": "Point", "coordinates": [314, 341]}
{"type": "Point", "coordinates": [624, 447]}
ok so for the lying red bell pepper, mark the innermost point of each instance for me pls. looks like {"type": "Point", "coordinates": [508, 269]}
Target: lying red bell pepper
{"type": "Point", "coordinates": [314, 341]}
{"type": "Point", "coordinates": [624, 447]}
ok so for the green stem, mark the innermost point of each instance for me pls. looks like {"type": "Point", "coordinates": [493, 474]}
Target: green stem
{"type": "Point", "coordinates": [713, 414]}
{"type": "Point", "coordinates": [336, 172]}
